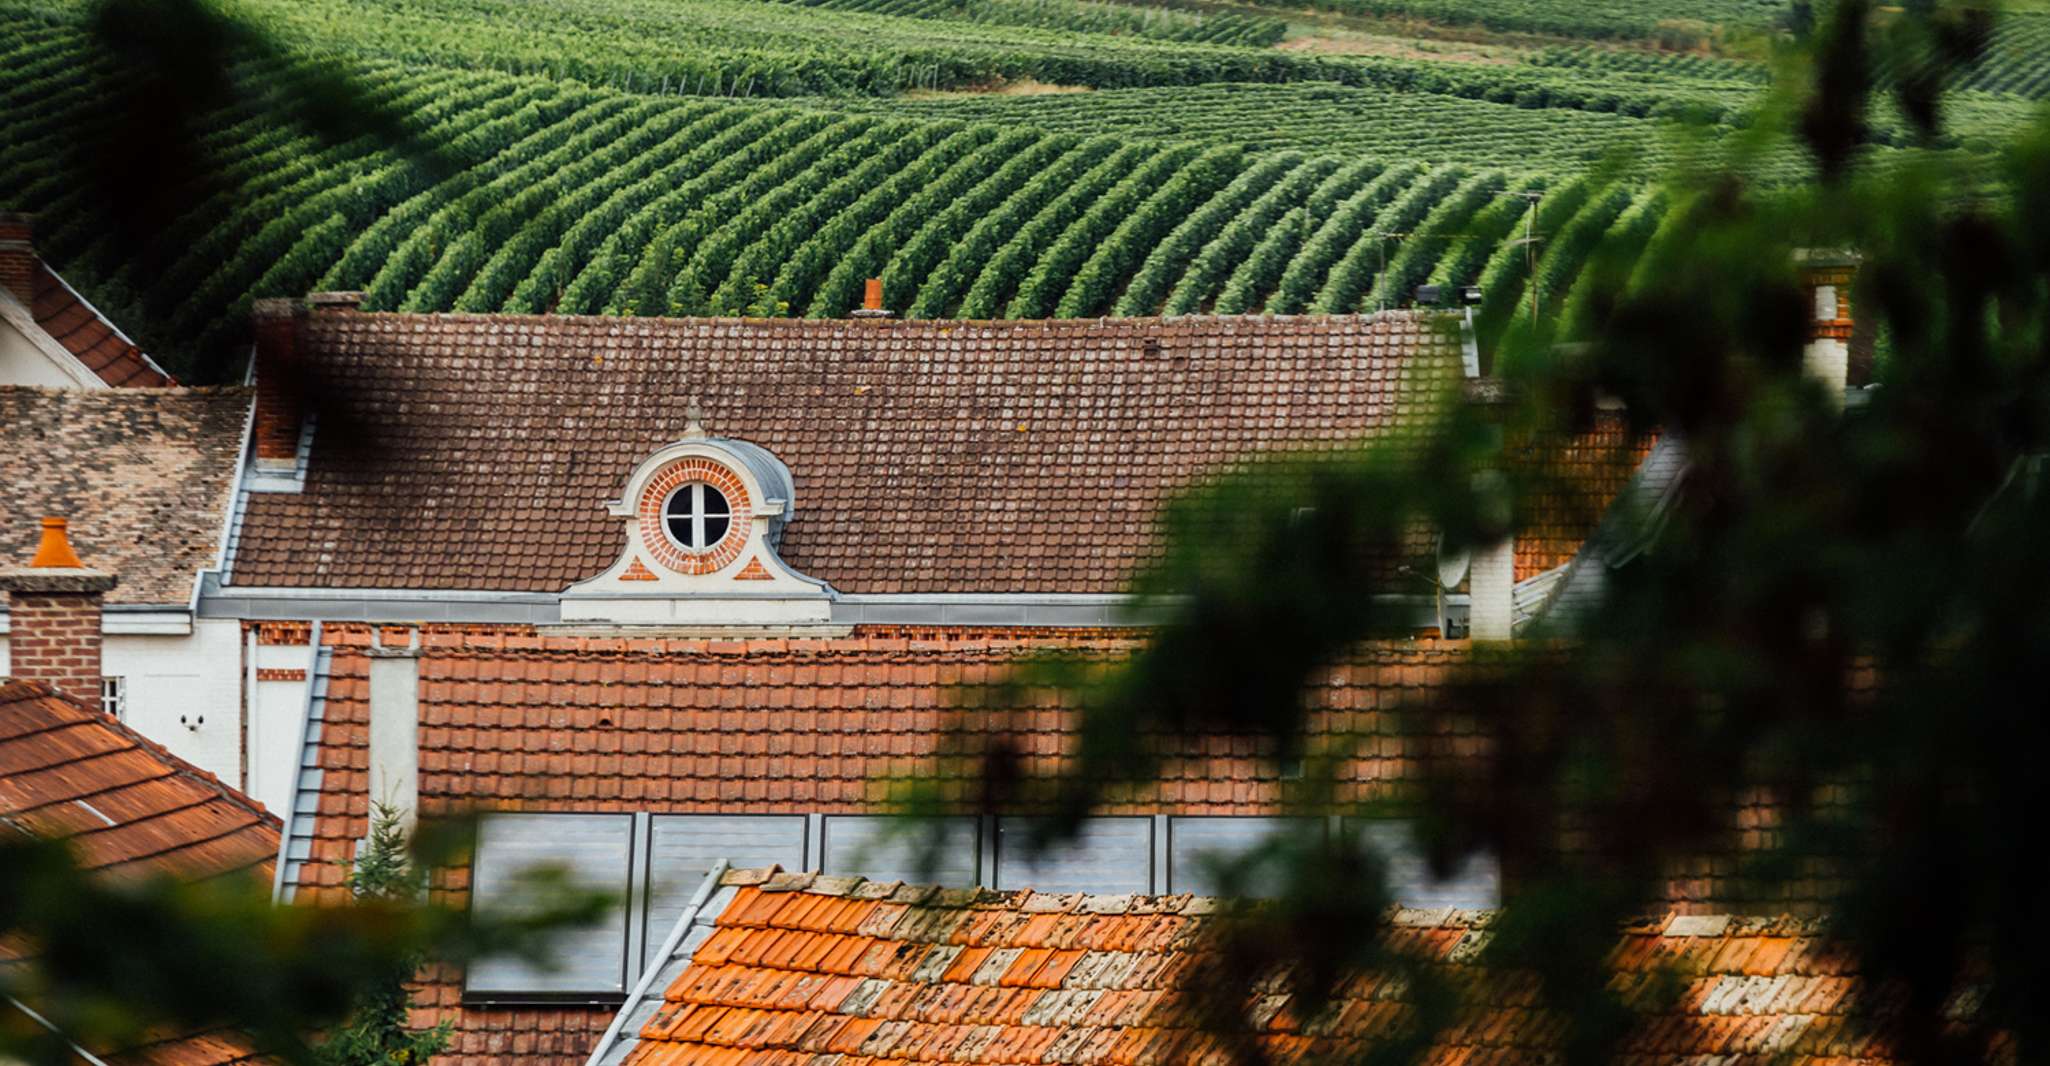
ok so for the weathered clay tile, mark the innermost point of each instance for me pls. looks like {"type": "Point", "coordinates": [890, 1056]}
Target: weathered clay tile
{"type": "Point", "coordinates": [146, 478]}
{"type": "Point", "coordinates": [989, 999]}
{"type": "Point", "coordinates": [901, 436]}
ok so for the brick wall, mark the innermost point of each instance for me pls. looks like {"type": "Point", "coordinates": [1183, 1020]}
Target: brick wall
{"type": "Point", "coordinates": [17, 256]}
{"type": "Point", "coordinates": [280, 403]}
{"type": "Point", "coordinates": [55, 639]}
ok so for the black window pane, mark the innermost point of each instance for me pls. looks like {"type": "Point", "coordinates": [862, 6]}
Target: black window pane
{"type": "Point", "coordinates": [715, 503]}
{"type": "Point", "coordinates": [715, 529]}
{"type": "Point", "coordinates": [679, 527]}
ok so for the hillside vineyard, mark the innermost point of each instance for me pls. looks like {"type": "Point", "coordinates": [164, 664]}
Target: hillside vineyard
{"type": "Point", "coordinates": [765, 157]}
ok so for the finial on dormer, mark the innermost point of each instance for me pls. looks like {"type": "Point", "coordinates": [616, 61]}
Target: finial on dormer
{"type": "Point", "coordinates": [694, 421]}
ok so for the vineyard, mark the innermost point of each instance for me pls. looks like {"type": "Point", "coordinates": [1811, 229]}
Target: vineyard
{"type": "Point", "coordinates": [586, 200]}
{"type": "Point", "coordinates": [764, 157]}
{"type": "Point", "coordinates": [1083, 16]}
{"type": "Point", "coordinates": [1677, 23]}
{"type": "Point", "coordinates": [1322, 118]}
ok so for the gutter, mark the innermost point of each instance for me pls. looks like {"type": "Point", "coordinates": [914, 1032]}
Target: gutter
{"type": "Point", "coordinates": [134, 620]}
{"type": "Point", "coordinates": [545, 608]}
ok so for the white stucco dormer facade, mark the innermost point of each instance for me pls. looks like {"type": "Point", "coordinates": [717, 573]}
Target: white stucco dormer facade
{"type": "Point", "coordinates": [701, 520]}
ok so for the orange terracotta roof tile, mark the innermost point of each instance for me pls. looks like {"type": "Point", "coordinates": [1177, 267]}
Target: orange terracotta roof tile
{"type": "Point", "coordinates": [129, 809]}
{"type": "Point", "coordinates": [985, 1000]}
{"type": "Point", "coordinates": [83, 332]}
{"type": "Point", "coordinates": [127, 806]}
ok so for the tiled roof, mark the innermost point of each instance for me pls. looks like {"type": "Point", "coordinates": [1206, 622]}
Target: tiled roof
{"type": "Point", "coordinates": [127, 806]}
{"type": "Point", "coordinates": [1578, 480]}
{"type": "Point", "coordinates": [799, 967]}
{"type": "Point", "coordinates": [83, 332]}
{"type": "Point", "coordinates": [757, 725]}
{"type": "Point", "coordinates": [218, 1047]}
{"type": "Point", "coordinates": [145, 476]}
{"type": "Point", "coordinates": [1625, 531]}
{"type": "Point", "coordinates": [929, 456]}
{"type": "Point", "coordinates": [129, 809]}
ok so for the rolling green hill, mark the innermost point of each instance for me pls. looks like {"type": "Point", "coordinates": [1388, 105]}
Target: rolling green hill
{"type": "Point", "coordinates": [987, 158]}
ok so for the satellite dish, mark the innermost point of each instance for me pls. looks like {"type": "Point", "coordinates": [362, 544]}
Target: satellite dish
{"type": "Point", "coordinates": [1452, 565]}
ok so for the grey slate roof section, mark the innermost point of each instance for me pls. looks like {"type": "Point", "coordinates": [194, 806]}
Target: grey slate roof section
{"type": "Point", "coordinates": [1625, 532]}
{"type": "Point", "coordinates": [693, 928]}
{"type": "Point", "coordinates": [297, 843]}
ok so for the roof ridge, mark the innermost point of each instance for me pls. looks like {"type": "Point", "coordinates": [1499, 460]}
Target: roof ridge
{"type": "Point", "coordinates": [1132, 323]}
{"type": "Point", "coordinates": [1675, 922]}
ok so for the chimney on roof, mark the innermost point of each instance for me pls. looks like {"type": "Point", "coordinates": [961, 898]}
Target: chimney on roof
{"type": "Point", "coordinates": [53, 615]}
{"type": "Point", "coordinates": [872, 300]}
{"type": "Point", "coordinates": [1826, 277]}
{"type": "Point", "coordinates": [280, 382]}
{"type": "Point", "coordinates": [395, 722]}
{"type": "Point", "coordinates": [18, 258]}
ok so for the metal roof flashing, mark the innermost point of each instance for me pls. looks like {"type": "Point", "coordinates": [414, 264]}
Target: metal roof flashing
{"type": "Point", "coordinates": [692, 928]}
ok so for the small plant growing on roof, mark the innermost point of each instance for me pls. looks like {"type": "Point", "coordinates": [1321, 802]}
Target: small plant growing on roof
{"type": "Point", "coordinates": [378, 1032]}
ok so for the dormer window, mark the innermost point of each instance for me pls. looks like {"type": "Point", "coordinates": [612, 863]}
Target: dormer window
{"type": "Point", "coordinates": [702, 520]}
{"type": "Point", "coordinates": [696, 516]}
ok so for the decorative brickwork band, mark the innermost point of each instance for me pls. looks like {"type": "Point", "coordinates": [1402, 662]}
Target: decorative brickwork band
{"type": "Point", "coordinates": [1827, 277]}
{"type": "Point", "coordinates": [684, 472]}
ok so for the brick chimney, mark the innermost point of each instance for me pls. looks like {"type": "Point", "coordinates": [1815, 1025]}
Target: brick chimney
{"type": "Point", "coordinates": [280, 382]}
{"type": "Point", "coordinates": [1826, 278]}
{"type": "Point", "coordinates": [18, 255]}
{"type": "Point", "coordinates": [53, 609]}
{"type": "Point", "coordinates": [872, 300]}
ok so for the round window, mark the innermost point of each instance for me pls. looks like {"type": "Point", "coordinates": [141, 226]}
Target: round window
{"type": "Point", "coordinates": [696, 516]}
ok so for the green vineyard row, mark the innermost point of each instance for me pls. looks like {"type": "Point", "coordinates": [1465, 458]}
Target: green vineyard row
{"type": "Point", "coordinates": [577, 199]}
{"type": "Point", "coordinates": [1081, 16]}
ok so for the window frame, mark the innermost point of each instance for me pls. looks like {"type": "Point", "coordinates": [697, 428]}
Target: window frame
{"type": "Point", "coordinates": [698, 517]}
{"type": "Point", "coordinates": [628, 906]}
{"type": "Point", "coordinates": [114, 696]}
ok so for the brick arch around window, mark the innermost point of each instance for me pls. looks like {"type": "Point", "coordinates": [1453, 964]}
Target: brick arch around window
{"type": "Point", "coordinates": [655, 495]}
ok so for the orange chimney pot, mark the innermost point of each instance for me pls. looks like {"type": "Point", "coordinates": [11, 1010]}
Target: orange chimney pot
{"type": "Point", "coordinates": [54, 552]}
{"type": "Point", "coordinates": [872, 294]}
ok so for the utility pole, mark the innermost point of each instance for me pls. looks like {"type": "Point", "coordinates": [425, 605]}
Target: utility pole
{"type": "Point", "coordinates": [1530, 257]}
{"type": "Point", "coordinates": [1529, 242]}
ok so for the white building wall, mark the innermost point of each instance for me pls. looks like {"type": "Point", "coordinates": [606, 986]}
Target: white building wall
{"type": "Point", "coordinates": [22, 363]}
{"type": "Point", "coordinates": [186, 692]}
{"type": "Point", "coordinates": [277, 720]}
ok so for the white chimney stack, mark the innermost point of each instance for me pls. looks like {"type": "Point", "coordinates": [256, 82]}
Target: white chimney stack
{"type": "Point", "coordinates": [1826, 277]}
{"type": "Point", "coordinates": [395, 726]}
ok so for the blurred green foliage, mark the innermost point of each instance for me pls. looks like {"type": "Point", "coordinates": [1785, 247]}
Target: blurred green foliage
{"type": "Point", "coordinates": [113, 963]}
{"type": "Point", "coordinates": [1843, 615]}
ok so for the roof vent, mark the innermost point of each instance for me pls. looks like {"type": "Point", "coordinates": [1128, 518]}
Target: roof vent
{"type": "Point", "coordinates": [872, 301]}
{"type": "Point", "coordinates": [55, 550]}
